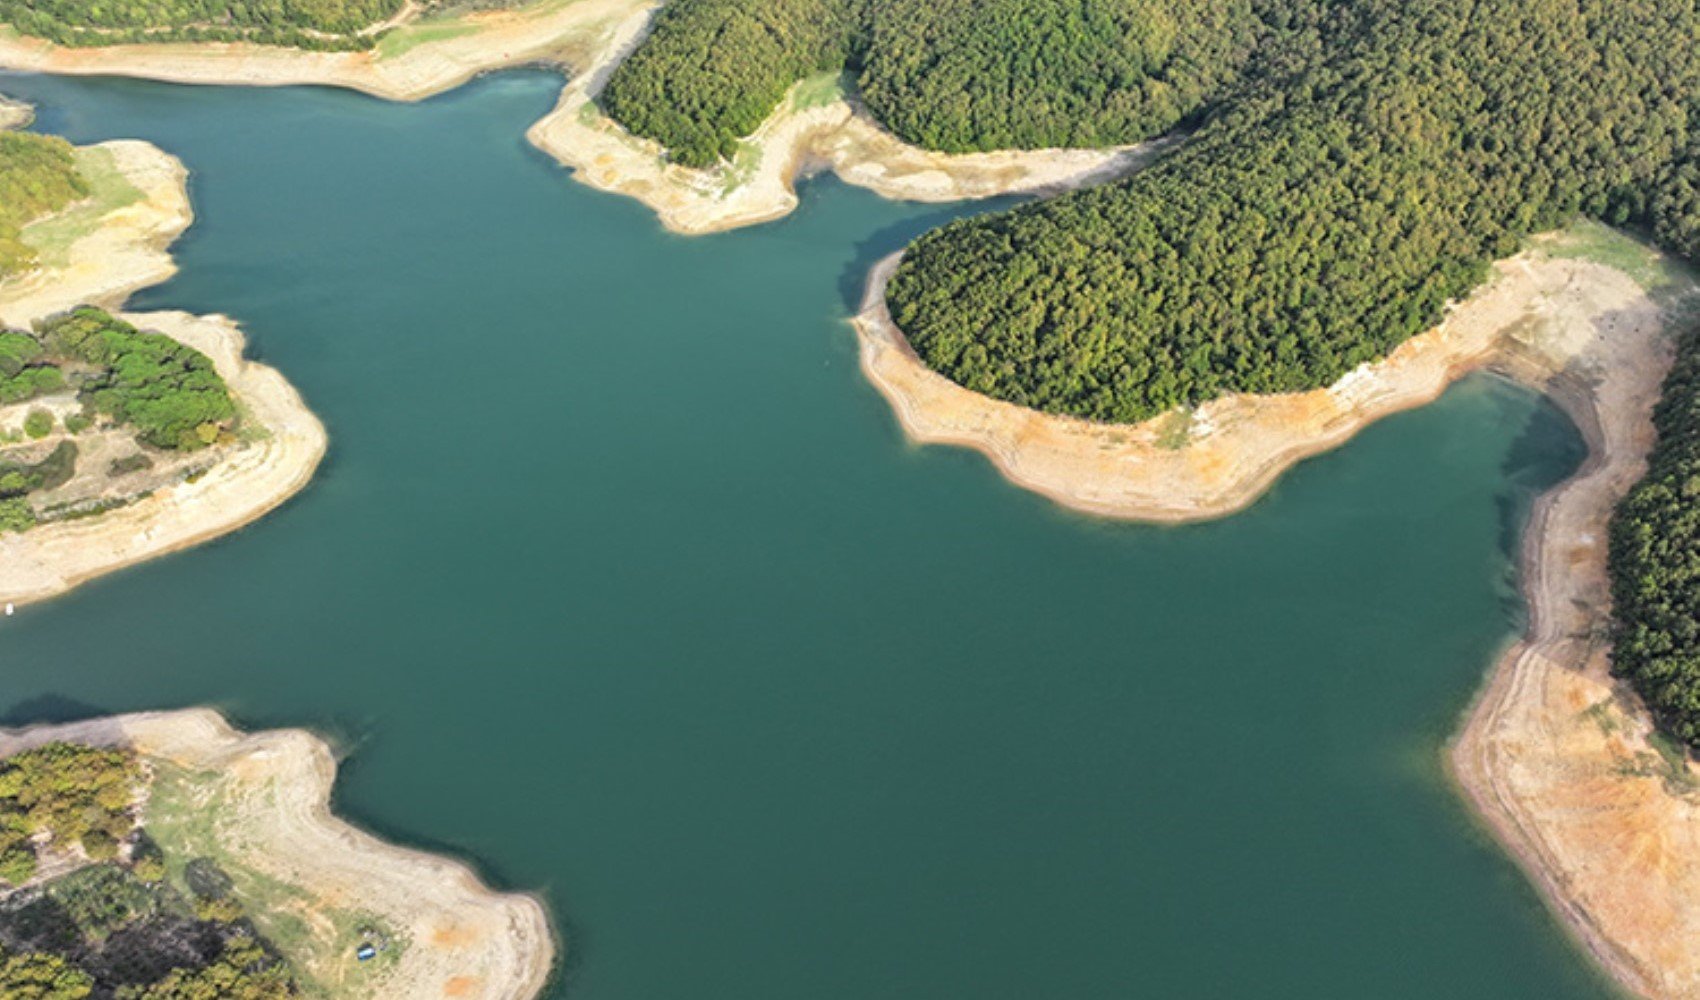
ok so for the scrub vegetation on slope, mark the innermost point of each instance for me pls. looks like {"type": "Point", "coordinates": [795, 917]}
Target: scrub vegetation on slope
{"type": "Point", "coordinates": [38, 176]}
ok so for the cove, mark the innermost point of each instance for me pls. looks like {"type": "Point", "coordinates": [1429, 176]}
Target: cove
{"type": "Point", "coordinates": [620, 580]}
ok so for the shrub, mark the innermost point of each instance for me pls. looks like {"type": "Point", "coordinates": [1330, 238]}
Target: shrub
{"type": "Point", "coordinates": [16, 514]}
{"type": "Point", "coordinates": [168, 391]}
{"type": "Point", "coordinates": [38, 423]}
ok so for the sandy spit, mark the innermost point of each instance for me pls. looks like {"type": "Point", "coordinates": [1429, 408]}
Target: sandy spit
{"type": "Point", "coordinates": [794, 142]}
{"type": "Point", "coordinates": [464, 939]}
{"type": "Point", "coordinates": [14, 114]}
{"type": "Point", "coordinates": [1556, 755]}
{"type": "Point", "coordinates": [126, 250]}
{"type": "Point", "coordinates": [548, 31]}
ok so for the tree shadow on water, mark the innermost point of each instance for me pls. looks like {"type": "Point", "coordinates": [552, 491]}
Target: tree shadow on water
{"type": "Point", "coordinates": [853, 279]}
{"type": "Point", "coordinates": [49, 709]}
{"type": "Point", "coordinates": [1547, 450]}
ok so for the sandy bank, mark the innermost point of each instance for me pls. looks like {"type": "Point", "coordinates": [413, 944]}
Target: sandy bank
{"type": "Point", "coordinates": [423, 58]}
{"type": "Point", "coordinates": [268, 795]}
{"type": "Point", "coordinates": [427, 57]}
{"type": "Point", "coordinates": [121, 251]}
{"type": "Point", "coordinates": [795, 141]}
{"type": "Point", "coordinates": [14, 114]}
{"type": "Point", "coordinates": [1223, 456]}
{"type": "Point", "coordinates": [1559, 758]}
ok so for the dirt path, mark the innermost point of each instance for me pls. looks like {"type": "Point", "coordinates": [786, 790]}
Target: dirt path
{"type": "Point", "coordinates": [265, 803]}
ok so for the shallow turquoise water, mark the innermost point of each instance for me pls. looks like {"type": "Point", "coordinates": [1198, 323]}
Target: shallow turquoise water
{"type": "Point", "coordinates": [619, 579]}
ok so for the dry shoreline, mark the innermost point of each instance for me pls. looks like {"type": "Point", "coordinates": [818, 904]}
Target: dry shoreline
{"type": "Point", "coordinates": [126, 250]}
{"type": "Point", "coordinates": [596, 35]}
{"type": "Point", "coordinates": [448, 54]}
{"type": "Point", "coordinates": [1558, 757]}
{"type": "Point", "coordinates": [464, 939]}
{"type": "Point", "coordinates": [795, 141]}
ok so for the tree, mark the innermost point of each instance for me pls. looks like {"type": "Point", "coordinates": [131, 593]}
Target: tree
{"type": "Point", "coordinates": [42, 977]}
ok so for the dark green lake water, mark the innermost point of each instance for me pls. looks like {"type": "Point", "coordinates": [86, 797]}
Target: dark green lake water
{"type": "Point", "coordinates": [621, 581]}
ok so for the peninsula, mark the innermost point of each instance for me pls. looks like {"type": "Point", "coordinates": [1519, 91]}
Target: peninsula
{"type": "Point", "coordinates": [217, 853]}
{"type": "Point", "coordinates": [109, 475]}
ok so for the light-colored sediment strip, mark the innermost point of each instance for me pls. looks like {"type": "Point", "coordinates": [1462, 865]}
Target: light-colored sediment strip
{"type": "Point", "coordinates": [271, 813]}
{"type": "Point", "coordinates": [1557, 756]}
{"type": "Point", "coordinates": [122, 251]}
{"type": "Point", "coordinates": [14, 114]}
{"type": "Point", "coordinates": [795, 141]}
{"type": "Point", "coordinates": [1223, 456]}
{"type": "Point", "coordinates": [595, 35]}
{"type": "Point", "coordinates": [442, 55]}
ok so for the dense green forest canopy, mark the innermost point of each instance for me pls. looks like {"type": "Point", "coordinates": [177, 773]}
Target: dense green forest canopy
{"type": "Point", "coordinates": [955, 75]}
{"type": "Point", "coordinates": [1327, 214]}
{"type": "Point", "coordinates": [712, 70]}
{"type": "Point", "coordinates": [966, 75]}
{"type": "Point", "coordinates": [168, 391]}
{"type": "Point", "coordinates": [1655, 560]}
{"type": "Point", "coordinates": [321, 24]}
{"type": "Point", "coordinates": [38, 175]}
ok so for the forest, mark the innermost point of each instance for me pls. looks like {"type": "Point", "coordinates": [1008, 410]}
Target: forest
{"type": "Point", "coordinates": [312, 24]}
{"type": "Point", "coordinates": [115, 926]}
{"type": "Point", "coordinates": [713, 70]}
{"type": "Point", "coordinates": [167, 391]}
{"type": "Point", "coordinates": [1325, 217]}
{"type": "Point", "coordinates": [955, 75]}
{"type": "Point", "coordinates": [1655, 560]}
{"type": "Point", "coordinates": [38, 175]}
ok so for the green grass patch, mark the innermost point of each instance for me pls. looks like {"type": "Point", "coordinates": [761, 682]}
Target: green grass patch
{"type": "Point", "coordinates": [410, 36]}
{"type": "Point", "coordinates": [51, 238]}
{"type": "Point", "coordinates": [745, 162]}
{"type": "Point", "coordinates": [182, 816]}
{"type": "Point", "coordinates": [1175, 430]}
{"type": "Point", "coordinates": [1662, 275]}
{"type": "Point", "coordinates": [819, 90]}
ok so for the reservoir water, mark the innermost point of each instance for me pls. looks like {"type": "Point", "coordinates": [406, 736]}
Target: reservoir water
{"type": "Point", "coordinates": [621, 581]}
